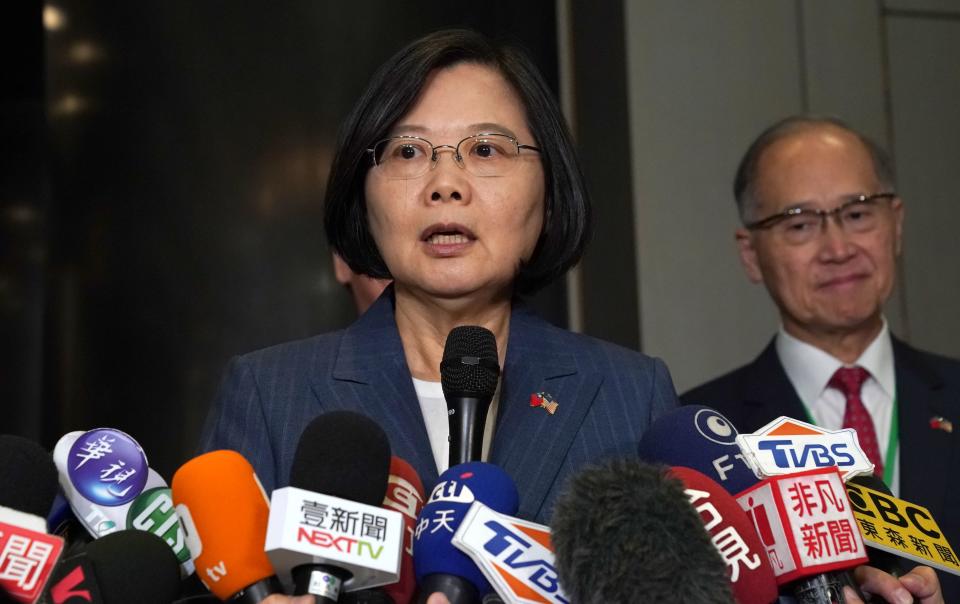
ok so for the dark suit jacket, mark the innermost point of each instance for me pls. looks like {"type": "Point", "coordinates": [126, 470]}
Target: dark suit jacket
{"type": "Point", "coordinates": [927, 385]}
{"type": "Point", "coordinates": [607, 397]}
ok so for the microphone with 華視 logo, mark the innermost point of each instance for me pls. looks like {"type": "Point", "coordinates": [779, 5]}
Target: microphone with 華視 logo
{"type": "Point", "coordinates": [469, 373]}
{"type": "Point", "coordinates": [28, 485]}
{"type": "Point", "coordinates": [439, 565]}
{"type": "Point", "coordinates": [224, 511]}
{"type": "Point", "coordinates": [328, 530]}
{"type": "Point", "coordinates": [110, 487]}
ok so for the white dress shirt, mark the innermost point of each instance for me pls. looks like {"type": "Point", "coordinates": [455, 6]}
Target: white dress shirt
{"type": "Point", "coordinates": [810, 369]}
{"type": "Point", "coordinates": [434, 408]}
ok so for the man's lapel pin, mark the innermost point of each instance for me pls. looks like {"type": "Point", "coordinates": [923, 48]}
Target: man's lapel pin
{"type": "Point", "coordinates": [939, 423]}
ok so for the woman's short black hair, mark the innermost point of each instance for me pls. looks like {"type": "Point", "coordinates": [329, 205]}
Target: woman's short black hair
{"type": "Point", "coordinates": [390, 95]}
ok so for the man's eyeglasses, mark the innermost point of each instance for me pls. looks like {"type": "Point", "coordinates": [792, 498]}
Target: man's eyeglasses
{"type": "Point", "coordinates": [485, 154]}
{"type": "Point", "coordinates": [859, 214]}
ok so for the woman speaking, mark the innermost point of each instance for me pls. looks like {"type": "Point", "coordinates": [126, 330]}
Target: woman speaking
{"type": "Point", "coordinates": [454, 176]}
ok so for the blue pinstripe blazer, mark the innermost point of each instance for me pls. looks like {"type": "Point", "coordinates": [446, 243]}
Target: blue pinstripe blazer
{"type": "Point", "coordinates": [607, 397]}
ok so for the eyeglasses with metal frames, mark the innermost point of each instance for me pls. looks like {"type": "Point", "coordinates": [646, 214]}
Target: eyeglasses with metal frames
{"type": "Point", "coordinates": [858, 214]}
{"type": "Point", "coordinates": [484, 154]}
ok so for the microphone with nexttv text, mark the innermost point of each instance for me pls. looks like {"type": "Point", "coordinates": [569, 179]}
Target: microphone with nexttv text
{"type": "Point", "coordinates": [698, 437]}
{"type": "Point", "coordinates": [124, 566]}
{"type": "Point", "coordinates": [224, 511]}
{"type": "Point", "coordinates": [110, 487]}
{"type": "Point", "coordinates": [625, 532]}
{"type": "Point", "coordinates": [438, 564]}
{"type": "Point", "coordinates": [28, 485]}
{"type": "Point", "coordinates": [327, 529]}
{"type": "Point", "coordinates": [469, 373]}
{"type": "Point", "coordinates": [733, 534]}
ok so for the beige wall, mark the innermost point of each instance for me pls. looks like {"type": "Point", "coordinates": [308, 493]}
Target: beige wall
{"type": "Point", "coordinates": [704, 77]}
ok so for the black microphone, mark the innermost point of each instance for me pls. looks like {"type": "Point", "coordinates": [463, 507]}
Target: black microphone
{"type": "Point", "coordinates": [28, 476]}
{"type": "Point", "coordinates": [469, 373]}
{"type": "Point", "coordinates": [345, 455]}
{"type": "Point", "coordinates": [625, 532]}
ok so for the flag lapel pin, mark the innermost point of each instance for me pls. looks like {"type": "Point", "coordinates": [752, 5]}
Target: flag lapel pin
{"type": "Point", "coordinates": [545, 400]}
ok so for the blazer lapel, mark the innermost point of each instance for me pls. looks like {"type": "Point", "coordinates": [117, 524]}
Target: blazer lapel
{"type": "Point", "coordinates": [924, 452]}
{"type": "Point", "coordinates": [530, 443]}
{"type": "Point", "coordinates": [768, 393]}
{"type": "Point", "coordinates": [370, 375]}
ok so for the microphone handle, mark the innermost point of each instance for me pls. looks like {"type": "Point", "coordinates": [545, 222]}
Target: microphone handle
{"type": "Point", "coordinates": [457, 589]}
{"type": "Point", "coordinates": [257, 592]}
{"type": "Point", "coordinates": [467, 416]}
{"type": "Point", "coordinates": [825, 588]}
{"type": "Point", "coordinates": [322, 581]}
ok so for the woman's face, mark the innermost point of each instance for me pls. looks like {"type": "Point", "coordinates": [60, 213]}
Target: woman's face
{"type": "Point", "coordinates": [449, 233]}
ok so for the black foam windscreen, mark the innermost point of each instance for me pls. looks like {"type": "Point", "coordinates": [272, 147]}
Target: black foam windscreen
{"type": "Point", "coordinates": [470, 365]}
{"type": "Point", "coordinates": [343, 454]}
{"type": "Point", "coordinates": [28, 477]}
{"type": "Point", "coordinates": [625, 532]}
{"type": "Point", "coordinates": [135, 566]}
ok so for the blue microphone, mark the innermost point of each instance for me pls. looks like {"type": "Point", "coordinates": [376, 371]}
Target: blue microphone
{"type": "Point", "coordinates": [700, 438]}
{"type": "Point", "coordinates": [437, 563]}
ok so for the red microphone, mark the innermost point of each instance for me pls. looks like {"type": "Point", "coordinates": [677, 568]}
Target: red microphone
{"type": "Point", "coordinates": [807, 527]}
{"type": "Point", "coordinates": [748, 570]}
{"type": "Point", "coordinates": [405, 495]}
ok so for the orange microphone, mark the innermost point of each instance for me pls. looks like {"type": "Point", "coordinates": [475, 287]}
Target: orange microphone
{"type": "Point", "coordinates": [224, 510]}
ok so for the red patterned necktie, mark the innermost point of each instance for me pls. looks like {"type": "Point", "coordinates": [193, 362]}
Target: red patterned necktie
{"type": "Point", "coordinates": [849, 380]}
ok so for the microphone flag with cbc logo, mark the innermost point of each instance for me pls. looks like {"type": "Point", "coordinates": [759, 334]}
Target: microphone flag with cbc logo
{"type": "Point", "coordinates": [701, 438]}
{"type": "Point", "coordinates": [225, 510]}
{"type": "Point", "coordinates": [899, 527]}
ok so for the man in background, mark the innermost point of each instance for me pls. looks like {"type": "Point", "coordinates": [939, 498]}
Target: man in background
{"type": "Point", "coordinates": [822, 226]}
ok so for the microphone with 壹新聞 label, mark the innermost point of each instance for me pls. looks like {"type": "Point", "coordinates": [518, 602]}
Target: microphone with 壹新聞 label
{"type": "Point", "coordinates": [224, 511]}
{"type": "Point", "coordinates": [328, 529]}
{"type": "Point", "coordinates": [469, 373]}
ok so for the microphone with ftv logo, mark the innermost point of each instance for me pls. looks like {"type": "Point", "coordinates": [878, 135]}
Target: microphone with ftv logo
{"type": "Point", "coordinates": [224, 510]}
